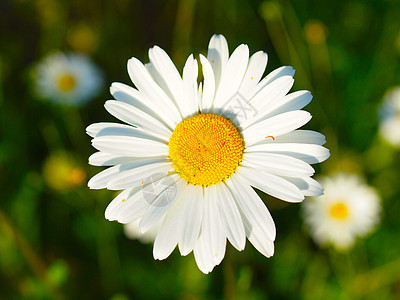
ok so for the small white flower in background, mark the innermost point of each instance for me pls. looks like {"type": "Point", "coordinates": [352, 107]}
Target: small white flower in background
{"type": "Point", "coordinates": [190, 154]}
{"type": "Point", "coordinates": [132, 231]}
{"type": "Point", "coordinates": [390, 117]}
{"type": "Point", "coordinates": [348, 209]}
{"type": "Point", "coordinates": [68, 78]}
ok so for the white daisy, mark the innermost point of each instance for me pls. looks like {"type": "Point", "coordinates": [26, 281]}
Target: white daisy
{"type": "Point", "coordinates": [132, 231]}
{"type": "Point", "coordinates": [348, 208]}
{"type": "Point", "coordinates": [190, 155]}
{"type": "Point", "coordinates": [390, 117]}
{"type": "Point", "coordinates": [69, 79]}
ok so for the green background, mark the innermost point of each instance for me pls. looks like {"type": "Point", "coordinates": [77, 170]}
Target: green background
{"type": "Point", "coordinates": [54, 240]}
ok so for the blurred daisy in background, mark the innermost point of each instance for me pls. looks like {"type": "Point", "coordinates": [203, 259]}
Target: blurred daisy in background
{"type": "Point", "coordinates": [132, 231]}
{"type": "Point", "coordinates": [348, 209]}
{"type": "Point", "coordinates": [68, 79]}
{"type": "Point", "coordinates": [189, 156]}
{"type": "Point", "coordinates": [61, 171]}
{"type": "Point", "coordinates": [390, 117]}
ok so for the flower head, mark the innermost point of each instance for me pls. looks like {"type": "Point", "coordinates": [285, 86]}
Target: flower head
{"type": "Point", "coordinates": [62, 172]}
{"type": "Point", "coordinates": [348, 209]}
{"type": "Point", "coordinates": [390, 117]}
{"type": "Point", "coordinates": [69, 79]}
{"type": "Point", "coordinates": [190, 154]}
{"type": "Point", "coordinates": [132, 231]}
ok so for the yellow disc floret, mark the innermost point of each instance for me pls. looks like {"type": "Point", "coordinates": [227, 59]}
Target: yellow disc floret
{"type": "Point", "coordinates": [339, 211]}
{"type": "Point", "coordinates": [206, 149]}
{"type": "Point", "coordinates": [66, 82]}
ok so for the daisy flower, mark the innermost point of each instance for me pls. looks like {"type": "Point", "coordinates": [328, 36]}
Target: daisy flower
{"type": "Point", "coordinates": [348, 209]}
{"type": "Point", "coordinates": [390, 117]}
{"type": "Point", "coordinates": [62, 172]}
{"type": "Point", "coordinates": [132, 231]}
{"type": "Point", "coordinates": [69, 79]}
{"type": "Point", "coordinates": [190, 154]}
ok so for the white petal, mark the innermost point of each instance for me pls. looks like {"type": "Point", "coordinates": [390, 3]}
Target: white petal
{"type": "Point", "coordinates": [210, 247]}
{"type": "Point", "coordinates": [122, 130]}
{"type": "Point", "coordinates": [138, 202]}
{"type": "Point", "coordinates": [191, 219]}
{"type": "Point", "coordinates": [293, 101]}
{"type": "Point", "coordinates": [93, 129]}
{"type": "Point", "coordinates": [262, 243]}
{"type": "Point", "coordinates": [131, 115]}
{"type": "Point", "coordinates": [231, 220]}
{"type": "Point", "coordinates": [101, 180]}
{"type": "Point", "coordinates": [200, 94]}
{"type": "Point", "coordinates": [146, 85]}
{"type": "Point", "coordinates": [282, 71]}
{"type": "Point", "coordinates": [218, 54]}
{"type": "Point", "coordinates": [127, 207]}
{"type": "Point", "coordinates": [261, 237]}
{"type": "Point", "coordinates": [139, 175]}
{"type": "Point", "coordinates": [169, 77]}
{"type": "Point", "coordinates": [254, 71]}
{"type": "Point", "coordinates": [130, 146]}
{"type": "Point", "coordinates": [132, 96]}
{"type": "Point", "coordinates": [105, 159]}
{"type": "Point", "coordinates": [110, 212]}
{"type": "Point", "coordinates": [271, 94]}
{"type": "Point", "coordinates": [190, 73]}
{"type": "Point", "coordinates": [161, 204]}
{"type": "Point", "coordinates": [308, 186]}
{"type": "Point", "coordinates": [169, 234]}
{"type": "Point", "coordinates": [277, 164]}
{"type": "Point", "coordinates": [203, 256]}
{"type": "Point", "coordinates": [275, 126]}
{"type": "Point", "coordinates": [271, 184]}
{"type": "Point", "coordinates": [232, 76]}
{"type": "Point", "coordinates": [253, 207]}
{"type": "Point", "coordinates": [209, 85]}
{"type": "Point", "coordinates": [301, 136]}
{"type": "Point", "coordinates": [310, 153]}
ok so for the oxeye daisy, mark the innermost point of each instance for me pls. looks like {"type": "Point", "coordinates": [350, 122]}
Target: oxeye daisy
{"type": "Point", "coordinates": [349, 208]}
{"type": "Point", "coordinates": [68, 79]}
{"type": "Point", "coordinates": [390, 117]}
{"type": "Point", "coordinates": [132, 231]}
{"type": "Point", "coordinates": [190, 154]}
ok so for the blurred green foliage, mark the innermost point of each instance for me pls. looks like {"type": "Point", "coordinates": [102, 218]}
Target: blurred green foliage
{"type": "Point", "coordinates": [55, 242]}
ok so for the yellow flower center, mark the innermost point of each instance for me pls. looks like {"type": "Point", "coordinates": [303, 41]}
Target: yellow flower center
{"type": "Point", "coordinates": [205, 149]}
{"type": "Point", "coordinates": [76, 176]}
{"type": "Point", "coordinates": [66, 82]}
{"type": "Point", "coordinates": [339, 211]}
